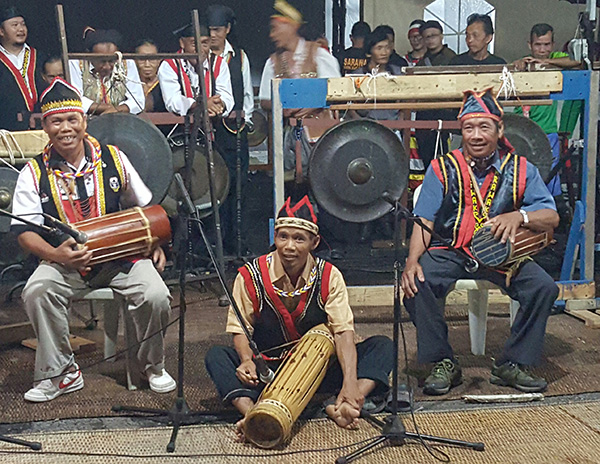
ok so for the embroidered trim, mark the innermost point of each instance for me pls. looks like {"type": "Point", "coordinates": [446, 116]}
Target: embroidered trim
{"type": "Point", "coordinates": [63, 106]}
{"type": "Point", "coordinates": [28, 88]}
{"type": "Point", "coordinates": [311, 280]}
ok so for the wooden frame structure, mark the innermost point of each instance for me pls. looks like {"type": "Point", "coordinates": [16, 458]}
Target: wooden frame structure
{"type": "Point", "coordinates": [345, 93]}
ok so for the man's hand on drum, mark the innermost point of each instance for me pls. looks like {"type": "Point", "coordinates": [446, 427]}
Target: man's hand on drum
{"type": "Point", "coordinates": [505, 226]}
{"type": "Point", "coordinates": [412, 270]}
{"type": "Point", "coordinates": [246, 373]}
{"type": "Point", "coordinates": [159, 259]}
{"type": "Point", "coordinates": [72, 256]}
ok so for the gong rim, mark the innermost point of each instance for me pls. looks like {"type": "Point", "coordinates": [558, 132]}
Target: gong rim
{"type": "Point", "coordinates": [529, 141]}
{"type": "Point", "coordinates": [143, 143]}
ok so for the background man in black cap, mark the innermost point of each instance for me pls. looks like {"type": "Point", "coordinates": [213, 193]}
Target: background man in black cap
{"type": "Point", "coordinates": [221, 20]}
{"type": "Point", "coordinates": [77, 178]}
{"type": "Point", "coordinates": [285, 280]}
{"type": "Point", "coordinates": [179, 82]}
{"type": "Point", "coordinates": [20, 72]}
{"type": "Point", "coordinates": [107, 85]}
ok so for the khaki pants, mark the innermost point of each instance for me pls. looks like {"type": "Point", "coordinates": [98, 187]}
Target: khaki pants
{"type": "Point", "coordinates": [47, 297]}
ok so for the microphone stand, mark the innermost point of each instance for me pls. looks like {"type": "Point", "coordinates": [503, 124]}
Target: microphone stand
{"type": "Point", "coordinates": [392, 428]}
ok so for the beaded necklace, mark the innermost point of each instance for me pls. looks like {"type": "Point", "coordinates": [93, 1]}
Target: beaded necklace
{"type": "Point", "coordinates": [96, 158]}
{"type": "Point", "coordinates": [298, 292]}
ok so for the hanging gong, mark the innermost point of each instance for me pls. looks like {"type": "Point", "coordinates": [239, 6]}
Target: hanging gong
{"type": "Point", "coordinates": [352, 165]}
{"type": "Point", "coordinates": [10, 250]}
{"type": "Point", "coordinates": [260, 130]}
{"type": "Point", "coordinates": [529, 141]}
{"type": "Point", "coordinates": [200, 188]}
{"type": "Point", "coordinates": [145, 146]}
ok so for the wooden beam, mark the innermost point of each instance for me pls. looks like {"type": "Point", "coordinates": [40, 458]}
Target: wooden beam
{"type": "Point", "coordinates": [430, 105]}
{"type": "Point", "coordinates": [383, 295]}
{"type": "Point", "coordinates": [15, 333]}
{"type": "Point", "coordinates": [591, 319]}
{"type": "Point", "coordinates": [588, 305]}
{"type": "Point", "coordinates": [437, 86]}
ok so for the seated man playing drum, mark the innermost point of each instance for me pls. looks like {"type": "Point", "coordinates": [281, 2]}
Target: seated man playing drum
{"type": "Point", "coordinates": [282, 295]}
{"type": "Point", "coordinates": [77, 178]}
{"type": "Point", "coordinates": [482, 184]}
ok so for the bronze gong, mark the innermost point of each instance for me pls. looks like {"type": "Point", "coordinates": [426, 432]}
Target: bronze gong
{"type": "Point", "coordinates": [352, 165]}
{"type": "Point", "coordinates": [145, 146]}
{"type": "Point", "coordinates": [529, 141]}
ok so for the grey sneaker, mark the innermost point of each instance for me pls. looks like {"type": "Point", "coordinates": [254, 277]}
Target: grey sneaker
{"type": "Point", "coordinates": [444, 375]}
{"type": "Point", "coordinates": [511, 374]}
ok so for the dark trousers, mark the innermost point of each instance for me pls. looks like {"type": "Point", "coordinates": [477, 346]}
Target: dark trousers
{"type": "Point", "coordinates": [532, 287]}
{"type": "Point", "coordinates": [375, 362]}
{"type": "Point", "coordinates": [227, 145]}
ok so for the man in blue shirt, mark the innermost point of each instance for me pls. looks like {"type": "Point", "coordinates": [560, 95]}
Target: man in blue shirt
{"type": "Point", "coordinates": [484, 183]}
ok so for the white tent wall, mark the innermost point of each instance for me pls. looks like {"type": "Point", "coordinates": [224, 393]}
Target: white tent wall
{"type": "Point", "coordinates": [514, 19]}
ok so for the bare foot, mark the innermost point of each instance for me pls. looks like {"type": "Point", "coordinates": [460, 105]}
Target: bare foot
{"type": "Point", "coordinates": [239, 431]}
{"type": "Point", "coordinates": [344, 416]}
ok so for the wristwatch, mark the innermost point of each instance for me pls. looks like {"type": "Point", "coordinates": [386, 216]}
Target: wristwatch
{"type": "Point", "coordinates": [525, 216]}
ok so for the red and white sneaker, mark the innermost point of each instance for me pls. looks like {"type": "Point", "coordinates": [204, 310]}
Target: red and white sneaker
{"type": "Point", "coordinates": [49, 389]}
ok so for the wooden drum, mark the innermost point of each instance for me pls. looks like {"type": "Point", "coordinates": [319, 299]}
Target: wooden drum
{"type": "Point", "coordinates": [489, 251]}
{"type": "Point", "coordinates": [270, 421]}
{"type": "Point", "coordinates": [130, 233]}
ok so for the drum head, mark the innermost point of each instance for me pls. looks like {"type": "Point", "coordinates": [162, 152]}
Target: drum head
{"type": "Point", "coordinates": [489, 250]}
{"type": "Point", "coordinates": [352, 165]}
{"type": "Point", "coordinates": [145, 146]}
{"type": "Point", "coordinates": [529, 141]}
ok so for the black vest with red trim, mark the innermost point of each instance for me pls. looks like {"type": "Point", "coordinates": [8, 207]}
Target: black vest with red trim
{"type": "Point", "coordinates": [455, 220]}
{"type": "Point", "coordinates": [273, 324]}
{"type": "Point", "coordinates": [17, 100]}
{"type": "Point", "coordinates": [110, 170]}
{"type": "Point", "coordinates": [184, 79]}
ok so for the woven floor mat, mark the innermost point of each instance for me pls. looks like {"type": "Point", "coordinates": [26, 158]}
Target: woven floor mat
{"type": "Point", "coordinates": [533, 434]}
{"type": "Point", "coordinates": [571, 363]}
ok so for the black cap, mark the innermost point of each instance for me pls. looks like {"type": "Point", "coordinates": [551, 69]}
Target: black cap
{"type": "Point", "coordinates": [219, 15]}
{"type": "Point", "coordinates": [431, 24]}
{"type": "Point", "coordinates": [9, 13]}
{"type": "Point", "coordinates": [93, 37]}
{"type": "Point", "coordinates": [188, 31]}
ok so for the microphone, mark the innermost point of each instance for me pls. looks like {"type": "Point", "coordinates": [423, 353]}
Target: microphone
{"type": "Point", "coordinates": [186, 199]}
{"type": "Point", "coordinates": [387, 196]}
{"type": "Point", "coordinates": [80, 237]}
{"type": "Point", "coordinates": [265, 373]}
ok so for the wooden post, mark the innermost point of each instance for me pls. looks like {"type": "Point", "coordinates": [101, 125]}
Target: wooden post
{"type": "Point", "coordinates": [62, 37]}
{"type": "Point", "coordinates": [278, 170]}
{"type": "Point", "coordinates": [591, 111]}
{"type": "Point", "coordinates": [201, 115]}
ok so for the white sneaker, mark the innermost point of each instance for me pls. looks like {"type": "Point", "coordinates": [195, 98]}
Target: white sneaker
{"type": "Point", "coordinates": [161, 383]}
{"type": "Point", "coordinates": [49, 389]}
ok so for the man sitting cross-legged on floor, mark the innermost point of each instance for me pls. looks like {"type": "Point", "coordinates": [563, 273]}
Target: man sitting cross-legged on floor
{"type": "Point", "coordinates": [282, 295]}
{"type": "Point", "coordinates": [483, 183]}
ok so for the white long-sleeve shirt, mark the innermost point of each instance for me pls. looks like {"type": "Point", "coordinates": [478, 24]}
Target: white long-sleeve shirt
{"type": "Point", "coordinates": [177, 102]}
{"type": "Point", "coordinates": [135, 98]}
{"type": "Point", "coordinates": [248, 105]}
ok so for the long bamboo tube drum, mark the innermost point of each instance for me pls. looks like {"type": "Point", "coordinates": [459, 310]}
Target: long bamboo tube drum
{"type": "Point", "coordinates": [270, 421]}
